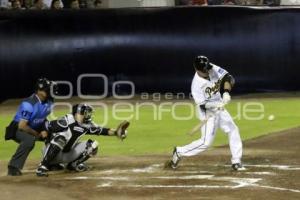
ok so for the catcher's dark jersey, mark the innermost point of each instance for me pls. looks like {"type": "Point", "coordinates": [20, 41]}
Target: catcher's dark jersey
{"type": "Point", "coordinates": [72, 131]}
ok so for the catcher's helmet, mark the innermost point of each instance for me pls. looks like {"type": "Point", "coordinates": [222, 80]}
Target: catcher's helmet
{"type": "Point", "coordinates": [202, 63]}
{"type": "Point", "coordinates": [85, 110]}
{"type": "Point", "coordinates": [46, 85]}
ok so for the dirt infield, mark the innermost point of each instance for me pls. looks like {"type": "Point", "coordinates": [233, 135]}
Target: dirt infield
{"type": "Point", "coordinates": [272, 162]}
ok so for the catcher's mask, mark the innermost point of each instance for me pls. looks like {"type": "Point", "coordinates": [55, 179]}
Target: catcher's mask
{"type": "Point", "coordinates": [202, 64]}
{"type": "Point", "coordinates": [85, 110]}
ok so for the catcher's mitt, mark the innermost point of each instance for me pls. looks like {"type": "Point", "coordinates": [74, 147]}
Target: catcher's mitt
{"type": "Point", "coordinates": [121, 130]}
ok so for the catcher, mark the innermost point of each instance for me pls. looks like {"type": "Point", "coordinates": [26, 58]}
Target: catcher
{"type": "Point", "coordinates": [63, 148]}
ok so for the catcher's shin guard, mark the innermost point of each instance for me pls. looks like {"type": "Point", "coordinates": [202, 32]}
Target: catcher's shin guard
{"type": "Point", "coordinates": [55, 146]}
{"type": "Point", "coordinates": [90, 150]}
{"type": "Point", "coordinates": [50, 154]}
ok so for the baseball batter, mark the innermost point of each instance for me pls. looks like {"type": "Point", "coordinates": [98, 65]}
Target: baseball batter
{"type": "Point", "coordinates": [210, 89]}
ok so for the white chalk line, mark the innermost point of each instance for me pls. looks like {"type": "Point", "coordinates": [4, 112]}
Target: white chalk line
{"type": "Point", "coordinates": [241, 183]}
{"type": "Point", "coordinates": [175, 186]}
{"type": "Point", "coordinates": [149, 169]}
{"type": "Point", "coordinates": [108, 184]}
{"type": "Point", "coordinates": [205, 186]}
{"type": "Point", "coordinates": [184, 177]}
{"type": "Point", "coordinates": [127, 178]}
{"type": "Point", "coordinates": [260, 173]}
{"type": "Point", "coordinates": [100, 178]}
{"type": "Point", "coordinates": [156, 167]}
{"type": "Point", "coordinates": [196, 172]}
{"type": "Point", "coordinates": [278, 188]}
{"type": "Point", "coordinates": [279, 167]}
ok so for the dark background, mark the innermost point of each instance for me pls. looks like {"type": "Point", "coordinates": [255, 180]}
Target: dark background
{"type": "Point", "coordinates": [152, 47]}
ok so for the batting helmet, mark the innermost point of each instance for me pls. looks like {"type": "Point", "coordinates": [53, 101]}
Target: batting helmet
{"type": "Point", "coordinates": [83, 109]}
{"type": "Point", "coordinates": [202, 63]}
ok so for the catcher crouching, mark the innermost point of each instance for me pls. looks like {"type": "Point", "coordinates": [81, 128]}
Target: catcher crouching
{"type": "Point", "coordinates": [63, 148]}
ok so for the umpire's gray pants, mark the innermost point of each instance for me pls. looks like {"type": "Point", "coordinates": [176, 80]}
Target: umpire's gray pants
{"type": "Point", "coordinates": [67, 157]}
{"type": "Point", "coordinates": [26, 144]}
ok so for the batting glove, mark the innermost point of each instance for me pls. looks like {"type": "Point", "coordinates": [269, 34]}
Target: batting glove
{"type": "Point", "coordinates": [226, 98]}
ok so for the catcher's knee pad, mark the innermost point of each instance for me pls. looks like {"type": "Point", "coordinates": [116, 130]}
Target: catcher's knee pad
{"type": "Point", "coordinates": [91, 147]}
{"type": "Point", "coordinates": [59, 141]}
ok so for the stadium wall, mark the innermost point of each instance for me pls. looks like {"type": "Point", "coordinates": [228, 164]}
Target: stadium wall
{"type": "Point", "coordinates": [153, 47]}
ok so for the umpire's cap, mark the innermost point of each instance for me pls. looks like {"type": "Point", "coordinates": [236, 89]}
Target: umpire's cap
{"type": "Point", "coordinates": [45, 85]}
{"type": "Point", "coordinates": [202, 63]}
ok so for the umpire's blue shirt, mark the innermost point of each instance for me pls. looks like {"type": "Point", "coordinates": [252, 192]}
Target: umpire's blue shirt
{"type": "Point", "coordinates": [34, 111]}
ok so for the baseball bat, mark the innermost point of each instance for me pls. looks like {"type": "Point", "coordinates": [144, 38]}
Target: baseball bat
{"type": "Point", "coordinates": [197, 127]}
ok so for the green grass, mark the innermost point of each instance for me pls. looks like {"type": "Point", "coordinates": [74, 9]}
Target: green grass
{"type": "Point", "coordinates": [150, 136]}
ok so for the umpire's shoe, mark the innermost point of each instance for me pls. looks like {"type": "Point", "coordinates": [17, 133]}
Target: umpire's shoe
{"type": "Point", "coordinates": [238, 167]}
{"type": "Point", "coordinates": [175, 160]}
{"type": "Point", "coordinates": [42, 170]}
{"type": "Point", "coordinates": [13, 171]}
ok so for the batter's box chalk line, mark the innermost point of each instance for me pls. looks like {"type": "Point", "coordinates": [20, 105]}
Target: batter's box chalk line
{"type": "Point", "coordinates": [148, 169]}
{"type": "Point", "coordinates": [279, 167]}
{"type": "Point", "coordinates": [114, 176]}
{"type": "Point", "coordinates": [111, 178]}
{"type": "Point", "coordinates": [235, 183]}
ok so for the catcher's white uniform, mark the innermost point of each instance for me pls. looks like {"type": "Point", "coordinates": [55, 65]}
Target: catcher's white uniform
{"type": "Point", "coordinates": [210, 107]}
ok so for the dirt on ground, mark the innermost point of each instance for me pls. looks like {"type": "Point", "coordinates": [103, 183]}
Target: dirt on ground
{"type": "Point", "coordinates": [272, 172]}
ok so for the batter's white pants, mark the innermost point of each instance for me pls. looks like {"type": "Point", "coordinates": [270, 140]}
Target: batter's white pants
{"type": "Point", "coordinates": [223, 120]}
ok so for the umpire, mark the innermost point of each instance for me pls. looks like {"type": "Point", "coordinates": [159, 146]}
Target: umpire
{"type": "Point", "coordinates": [28, 124]}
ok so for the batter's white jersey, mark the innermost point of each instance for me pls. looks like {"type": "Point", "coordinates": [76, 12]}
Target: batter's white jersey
{"type": "Point", "coordinates": [204, 91]}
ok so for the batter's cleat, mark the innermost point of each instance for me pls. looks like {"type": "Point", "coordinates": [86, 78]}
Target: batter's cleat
{"type": "Point", "coordinates": [168, 164]}
{"type": "Point", "coordinates": [175, 160]}
{"type": "Point", "coordinates": [238, 167]}
{"type": "Point", "coordinates": [13, 171]}
{"type": "Point", "coordinates": [42, 171]}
